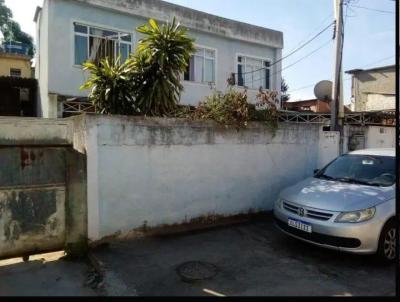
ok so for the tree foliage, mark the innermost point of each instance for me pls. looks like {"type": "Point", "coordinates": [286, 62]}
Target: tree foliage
{"type": "Point", "coordinates": [284, 90]}
{"type": "Point", "coordinates": [12, 30]}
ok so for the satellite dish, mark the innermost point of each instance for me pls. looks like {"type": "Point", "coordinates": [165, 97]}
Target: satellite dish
{"type": "Point", "coordinates": [323, 90]}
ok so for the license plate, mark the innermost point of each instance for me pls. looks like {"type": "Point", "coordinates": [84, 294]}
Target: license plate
{"type": "Point", "coordinates": [300, 225]}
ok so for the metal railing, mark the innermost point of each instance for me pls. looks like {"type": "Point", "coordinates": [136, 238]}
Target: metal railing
{"type": "Point", "coordinates": [388, 117]}
{"type": "Point", "coordinates": [14, 48]}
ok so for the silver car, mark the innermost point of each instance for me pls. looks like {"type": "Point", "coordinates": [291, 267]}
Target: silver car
{"type": "Point", "coordinates": [349, 205]}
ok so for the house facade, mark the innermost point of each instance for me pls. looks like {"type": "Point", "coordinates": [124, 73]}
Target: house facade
{"type": "Point", "coordinates": [69, 32]}
{"type": "Point", "coordinates": [14, 61]}
{"type": "Point", "coordinates": [373, 89]}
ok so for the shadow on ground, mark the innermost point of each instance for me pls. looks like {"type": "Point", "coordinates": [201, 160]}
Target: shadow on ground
{"type": "Point", "coordinates": [252, 259]}
{"type": "Point", "coordinates": [44, 275]}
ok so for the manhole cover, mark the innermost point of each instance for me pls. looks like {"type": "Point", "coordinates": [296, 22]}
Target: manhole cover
{"type": "Point", "coordinates": [196, 271]}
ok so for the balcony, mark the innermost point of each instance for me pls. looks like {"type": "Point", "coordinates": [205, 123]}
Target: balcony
{"type": "Point", "coordinates": [16, 48]}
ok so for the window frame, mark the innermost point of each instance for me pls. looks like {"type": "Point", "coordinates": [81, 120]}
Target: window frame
{"type": "Point", "coordinates": [203, 83]}
{"type": "Point", "coordinates": [247, 56]}
{"type": "Point", "coordinates": [89, 25]}
{"type": "Point", "coordinates": [16, 70]}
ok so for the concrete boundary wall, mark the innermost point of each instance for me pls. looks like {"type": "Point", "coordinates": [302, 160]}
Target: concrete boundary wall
{"type": "Point", "coordinates": [42, 188]}
{"type": "Point", "coordinates": [147, 173]}
{"type": "Point", "coordinates": [124, 174]}
{"type": "Point", "coordinates": [34, 131]}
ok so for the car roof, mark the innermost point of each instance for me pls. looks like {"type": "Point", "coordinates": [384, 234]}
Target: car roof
{"type": "Point", "coordinates": [376, 152]}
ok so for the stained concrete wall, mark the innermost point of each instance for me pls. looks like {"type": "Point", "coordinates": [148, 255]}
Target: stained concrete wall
{"type": "Point", "coordinates": [154, 172]}
{"type": "Point", "coordinates": [42, 188]}
{"type": "Point", "coordinates": [229, 39]}
{"type": "Point", "coordinates": [374, 89]}
{"type": "Point", "coordinates": [370, 137]}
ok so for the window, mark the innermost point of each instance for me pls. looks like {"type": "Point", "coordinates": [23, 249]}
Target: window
{"type": "Point", "coordinates": [15, 73]}
{"type": "Point", "coordinates": [253, 73]}
{"type": "Point", "coordinates": [201, 67]}
{"type": "Point", "coordinates": [93, 44]}
{"type": "Point", "coordinates": [361, 169]}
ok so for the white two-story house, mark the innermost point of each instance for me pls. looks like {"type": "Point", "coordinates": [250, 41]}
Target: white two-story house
{"type": "Point", "coordinates": [70, 32]}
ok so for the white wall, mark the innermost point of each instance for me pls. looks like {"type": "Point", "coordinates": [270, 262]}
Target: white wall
{"type": "Point", "coordinates": [376, 102]}
{"type": "Point", "coordinates": [168, 172]}
{"type": "Point", "coordinates": [42, 62]}
{"type": "Point", "coordinates": [329, 147]}
{"type": "Point", "coordinates": [381, 137]}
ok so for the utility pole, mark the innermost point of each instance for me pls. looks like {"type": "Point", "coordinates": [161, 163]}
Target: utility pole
{"type": "Point", "coordinates": [337, 90]}
{"type": "Point", "coordinates": [337, 104]}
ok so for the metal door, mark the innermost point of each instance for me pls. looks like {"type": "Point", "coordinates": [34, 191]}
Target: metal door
{"type": "Point", "coordinates": [32, 200]}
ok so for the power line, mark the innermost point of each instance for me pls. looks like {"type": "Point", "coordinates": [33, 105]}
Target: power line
{"type": "Point", "coordinates": [316, 28]}
{"type": "Point", "coordinates": [305, 44]}
{"type": "Point", "coordinates": [289, 66]}
{"type": "Point", "coordinates": [290, 54]}
{"type": "Point", "coordinates": [348, 79]}
{"type": "Point", "coordinates": [305, 57]}
{"type": "Point", "coordinates": [372, 9]}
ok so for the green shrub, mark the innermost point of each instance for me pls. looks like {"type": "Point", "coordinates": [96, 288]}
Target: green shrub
{"type": "Point", "coordinates": [149, 82]}
{"type": "Point", "coordinates": [229, 109]}
{"type": "Point", "coordinates": [110, 90]}
{"type": "Point", "coordinates": [162, 55]}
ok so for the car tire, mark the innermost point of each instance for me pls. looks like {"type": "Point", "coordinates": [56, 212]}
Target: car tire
{"type": "Point", "coordinates": [387, 242]}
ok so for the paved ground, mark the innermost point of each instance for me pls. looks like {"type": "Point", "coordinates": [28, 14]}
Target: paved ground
{"type": "Point", "coordinates": [252, 259]}
{"type": "Point", "coordinates": [44, 275]}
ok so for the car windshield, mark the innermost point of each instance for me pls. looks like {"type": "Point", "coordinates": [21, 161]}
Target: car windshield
{"type": "Point", "coordinates": [361, 169]}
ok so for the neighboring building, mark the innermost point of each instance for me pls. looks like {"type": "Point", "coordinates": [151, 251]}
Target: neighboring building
{"type": "Point", "coordinates": [70, 32]}
{"type": "Point", "coordinates": [318, 106]}
{"type": "Point", "coordinates": [18, 89]}
{"type": "Point", "coordinates": [315, 106]}
{"type": "Point", "coordinates": [14, 60]}
{"type": "Point", "coordinates": [374, 89]}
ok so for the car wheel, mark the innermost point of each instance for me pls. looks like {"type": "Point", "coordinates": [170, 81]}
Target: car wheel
{"type": "Point", "coordinates": [387, 242]}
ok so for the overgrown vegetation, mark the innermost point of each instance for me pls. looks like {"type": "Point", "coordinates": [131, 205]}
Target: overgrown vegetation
{"type": "Point", "coordinates": [229, 109]}
{"type": "Point", "coordinates": [233, 109]}
{"type": "Point", "coordinates": [148, 83]}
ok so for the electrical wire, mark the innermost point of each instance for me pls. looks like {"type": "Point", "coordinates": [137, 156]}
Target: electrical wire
{"type": "Point", "coordinates": [316, 28]}
{"type": "Point", "coordinates": [372, 9]}
{"type": "Point", "coordinates": [291, 53]}
{"type": "Point", "coordinates": [294, 63]}
{"type": "Point", "coordinates": [348, 79]}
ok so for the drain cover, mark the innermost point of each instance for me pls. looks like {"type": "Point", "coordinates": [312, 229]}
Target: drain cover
{"type": "Point", "coordinates": [196, 271]}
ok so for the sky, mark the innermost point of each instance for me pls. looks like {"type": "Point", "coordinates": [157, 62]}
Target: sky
{"type": "Point", "coordinates": [369, 34]}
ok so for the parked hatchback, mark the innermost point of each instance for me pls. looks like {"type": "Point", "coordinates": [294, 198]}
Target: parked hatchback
{"type": "Point", "coordinates": [349, 205]}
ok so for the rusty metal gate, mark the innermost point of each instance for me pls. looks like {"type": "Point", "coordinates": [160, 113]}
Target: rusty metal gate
{"type": "Point", "coordinates": [32, 200]}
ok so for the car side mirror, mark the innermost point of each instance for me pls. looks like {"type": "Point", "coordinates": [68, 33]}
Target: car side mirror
{"type": "Point", "coordinates": [316, 171]}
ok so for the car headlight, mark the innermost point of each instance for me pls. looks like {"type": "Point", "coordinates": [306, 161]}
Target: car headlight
{"type": "Point", "coordinates": [356, 216]}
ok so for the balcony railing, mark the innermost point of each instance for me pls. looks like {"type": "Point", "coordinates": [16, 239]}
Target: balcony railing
{"type": "Point", "coordinates": [14, 48]}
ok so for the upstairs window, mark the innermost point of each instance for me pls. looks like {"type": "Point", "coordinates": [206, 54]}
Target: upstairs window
{"type": "Point", "coordinates": [201, 67]}
{"type": "Point", "coordinates": [94, 44]}
{"type": "Point", "coordinates": [253, 73]}
{"type": "Point", "coordinates": [16, 73]}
